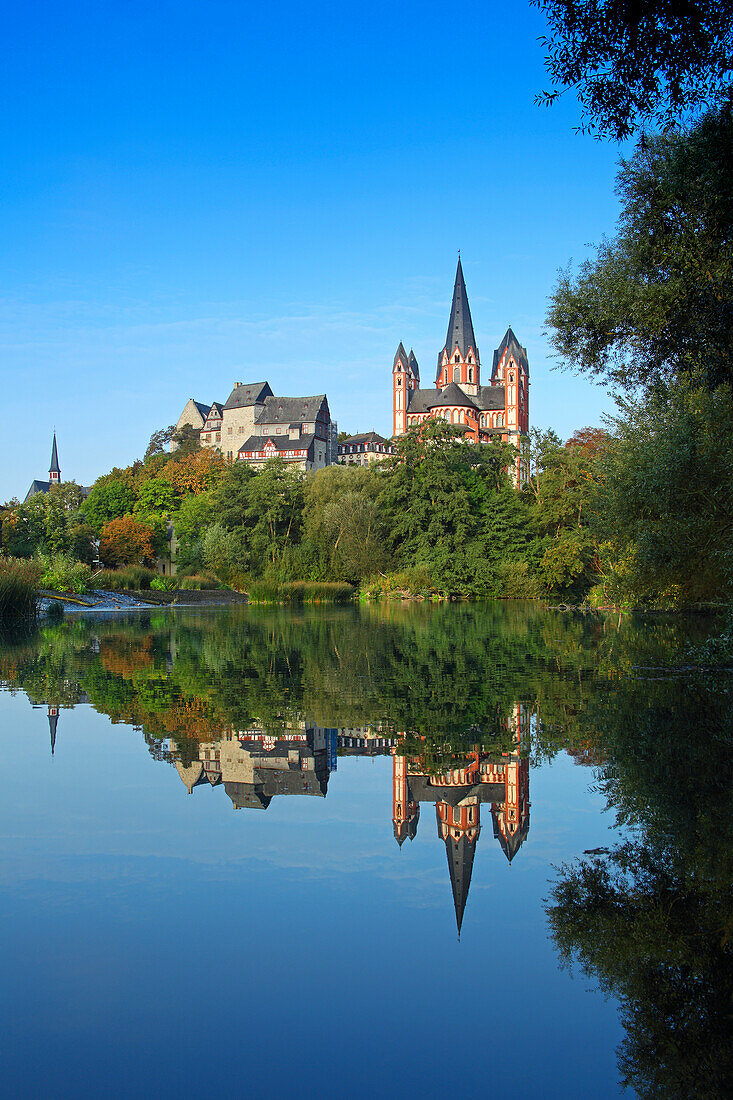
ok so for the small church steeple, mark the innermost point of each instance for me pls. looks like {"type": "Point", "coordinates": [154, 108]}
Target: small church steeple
{"type": "Point", "coordinates": [54, 470]}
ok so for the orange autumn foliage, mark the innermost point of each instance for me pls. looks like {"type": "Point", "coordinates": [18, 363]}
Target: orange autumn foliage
{"type": "Point", "coordinates": [126, 541]}
{"type": "Point", "coordinates": [194, 473]}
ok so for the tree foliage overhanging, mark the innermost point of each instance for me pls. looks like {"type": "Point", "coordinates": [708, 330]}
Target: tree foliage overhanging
{"type": "Point", "coordinates": [638, 62]}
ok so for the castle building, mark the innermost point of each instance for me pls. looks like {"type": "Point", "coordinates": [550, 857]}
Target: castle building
{"type": "Point", "coordinates": [253, 425]}
{"type": "Point", "coordinates": [499, 410]}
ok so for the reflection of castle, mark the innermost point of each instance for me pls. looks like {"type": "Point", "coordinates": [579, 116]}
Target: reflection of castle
{"type": "Point", "coordinates": [255, 765]}
{"type": "Point", "coordinates": [458, 794]}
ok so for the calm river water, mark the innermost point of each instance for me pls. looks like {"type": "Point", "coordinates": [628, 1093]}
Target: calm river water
{"type": "Point", "coordinates": [373, 851]}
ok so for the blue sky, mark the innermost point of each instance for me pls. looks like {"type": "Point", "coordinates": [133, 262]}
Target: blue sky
{"type": "Point", "coordinates": [196, 194]}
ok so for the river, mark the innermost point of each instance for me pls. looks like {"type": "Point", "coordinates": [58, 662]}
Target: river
{"type": "Point", "coordinates": [364, 851]}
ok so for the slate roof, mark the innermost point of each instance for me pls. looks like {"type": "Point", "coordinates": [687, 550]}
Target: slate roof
{"type": "Point", "coordinates": [413, 364]}
{"type": "Point", "coordinates": [281, 442]}
{"type": "Point", "coordinates": [460, 325]}
{"type": "Point", "coordinates": [460, 865]}
{"type": "Point", "coordinates": [37, 487]}
{"type": "Point", "coordinates": [401, 356]}
{"type": "Point", "coordinates": [54, 468]}
{"type": "Point", "coordinates": [364, 437]}
{"type": "Point", "coordinates": [512, 345]}
{"type": "Point", "coordinates": [291, 410]}
{"type": "Point", "coordinates": [491, 397]}
{"type": "Point", "coordinates": [453, 395]}
{"type": "Point", "coordinates": [247, 795]}
{"type": "Point", "coordinates": [422, 400]}
{"type": "Point", "coordinates": [511, 844]}
{"type": "Point", "coordinates": [203, 409]}
{"type": "Point", "coordinates": [248, 393]}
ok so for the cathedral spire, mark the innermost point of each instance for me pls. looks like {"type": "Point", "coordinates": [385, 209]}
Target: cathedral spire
{"type": "Point", "coordinates": [460, 865]}
{"type": "Point", "coordinates": [53, 721]}
{"type": "Point", "coordinates": [460, 325]}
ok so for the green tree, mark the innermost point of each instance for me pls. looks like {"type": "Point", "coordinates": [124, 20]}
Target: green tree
{"type": "Point", "coordinates": [160, 441]}
{"type": "Point", "coordinates": [344, 533]}
{"type": "Point", "coordinates": [111, 497]}
{"type": "Point", "coordinates": [632, 63]}
{"type": "Point", "coordinates": [656, 301]}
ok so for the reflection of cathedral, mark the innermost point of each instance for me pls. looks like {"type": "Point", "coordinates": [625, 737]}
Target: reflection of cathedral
{"type": "Point", "coordinates": [502, 782]}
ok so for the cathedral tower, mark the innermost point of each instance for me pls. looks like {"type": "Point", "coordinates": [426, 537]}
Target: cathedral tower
{"type": "Point", "coordinates": [459, 360]}
{"type": "Point", "coordinates": [405, 379]}
{"type": "Point", "coordinates": [459, 826]}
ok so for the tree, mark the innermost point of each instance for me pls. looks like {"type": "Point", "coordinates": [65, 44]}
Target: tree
{"type": "Point", "coordinates": [126, 541]}
{"type": "Point", "coordinates": [344, 533]}
{"type": "Point", "coordinates": [186, 439]}
{"type": "Point", "coordinates": [656, 301]}
{"type": "Point", "coordinates": [194, 471]}
{"type": "Point", "coordinates": [159, 441]}
{"type": "Point", "coordinates": [638, 61]}
{"type": "Point", "coordinates": [111, 497]}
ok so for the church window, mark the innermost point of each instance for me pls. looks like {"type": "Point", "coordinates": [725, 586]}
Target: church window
{"type": "Point", "coordinates": [456, 374]}
{"type": "Point", "coordinates": [470, 374]}
{"type": "Point", "coordinates": [456, 358]}
{"type": "Point", "coordinates": [399, 380]}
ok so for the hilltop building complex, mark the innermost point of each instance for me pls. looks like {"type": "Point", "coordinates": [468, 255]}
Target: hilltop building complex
{"type": "Point", "coordinates": [499, 410]}
{"type": "Point", "coordinates": [253, 425]}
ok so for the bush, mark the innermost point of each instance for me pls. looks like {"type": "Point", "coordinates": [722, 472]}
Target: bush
{"type": "Point", "coordinates": [416, 581]}
{"type": "Point", "coordinates": [18, 588]}
{"type": "Point", "coordinates": [63, 574]}
{"type": "Point", "coordinates": [316, 592]}
{"type": "Point", "coordinates": [164, 584]}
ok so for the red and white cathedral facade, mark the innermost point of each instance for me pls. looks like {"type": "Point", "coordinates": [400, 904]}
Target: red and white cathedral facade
{"type": "Point", "coordinates": [499, 410]}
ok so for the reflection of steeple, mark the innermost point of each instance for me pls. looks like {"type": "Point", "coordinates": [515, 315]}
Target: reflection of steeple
{"type": "Point", "coordinates": [460, 865]}
{"type": "Point", "coordinates": [53, 721]}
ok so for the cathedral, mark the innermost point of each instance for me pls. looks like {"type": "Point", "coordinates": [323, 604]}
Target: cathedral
{"type": "Point", "coordinates": [499, 410]}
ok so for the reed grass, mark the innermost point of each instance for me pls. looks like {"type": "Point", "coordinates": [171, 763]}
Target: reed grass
{"type": "Point", "coordinates": [18, 589]}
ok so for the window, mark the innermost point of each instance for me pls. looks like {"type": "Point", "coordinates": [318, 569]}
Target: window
{"type": "Point", "coordinates": [456, 374]}
{"type": "Point", "coordinates": [240, 429]}
{"type": "Point", "coordinates": [207, 437]}
{"type": "Point", "coordinates": [229, 430]}
{"type": "Point", "coordinates": [218, 437]}
{"type": "Point", "coordinates": [470, 374]}
{"type": "Point", "coordinates": [456, 358]}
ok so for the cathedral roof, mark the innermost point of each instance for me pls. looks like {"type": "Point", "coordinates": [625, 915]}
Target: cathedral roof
{"type": "Point", "coordinates": [422, 401]}
{"type": "Point", "coordinates": [510, 843]}
{"type": "Point", "coordinates": [248, 393]}
{"type": "Point", "coordinates": [413, 364]}
{"type": "Point", "coordinates": [460, 865]}
{"type": "Point", "coordinates": [401, 356]}
{"type": "Point", "coordinates": [491, 397]}
{"type": "Point", "coordinates": [54, 468]}
{"type": "Point", "coordinates": [511, 344]}
{"type": "Point", "coordinates": [460, 325]}
{"type": "Point", "coordinates": [453, 395]}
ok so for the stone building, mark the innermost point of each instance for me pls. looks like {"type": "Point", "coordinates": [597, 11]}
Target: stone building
{"type": "Point", "coordinates": [363, 450]}
{"type": "Point", "coordinates": [253, 425]}
{"type": "Point", "coordinates": [499, 410]}
{"type": "Point", "coordinates": [54, 477]}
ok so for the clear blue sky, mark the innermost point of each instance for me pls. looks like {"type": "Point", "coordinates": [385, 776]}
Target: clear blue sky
{"type": "Point", "coordinates": [195, 194]}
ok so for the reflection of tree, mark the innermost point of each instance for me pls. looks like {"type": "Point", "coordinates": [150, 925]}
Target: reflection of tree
{"type": "Point", "coordinates": [652, 918]}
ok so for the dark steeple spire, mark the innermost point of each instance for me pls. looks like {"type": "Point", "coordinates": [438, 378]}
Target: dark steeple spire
{"type": "Point", "coordinates": [54, 470]}
{"type": "Point", "coordinates": [53, 721]}
{"type": "Point", "coordinates": [460, 326]}
{"type": "Point", "coordinates": [460, 865]}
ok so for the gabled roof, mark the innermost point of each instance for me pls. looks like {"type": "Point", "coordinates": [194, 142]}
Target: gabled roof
{"type": "Point", "coordinates": [37, 487]}
{"type": "Point", "coordinates": [511, 345]}
{"type": "Point", "coordinates": [401, 357]}
{"type": "Point", "coordinates": [280, 443]}
{"type": "Point", "coordinates": [248, 393]}
{"type": "Point", "coordinates": [510, 844]}
{"type": "Point", "coordinates": [491, 397]}
{"type": "Point", "coordinates": [216, 410]}
{"type": "Point", "coordinates": [54, 468]}
{"type": "Point", "coordinates": [202, 408]}
{"type": "Point", "coordinates": [291, 410]}
{"type": "Point", "coordinates": [453, 395]}
{"type": "Point", "coordinates": [460, 325]}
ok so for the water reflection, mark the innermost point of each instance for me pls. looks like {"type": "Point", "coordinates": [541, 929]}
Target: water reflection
{"type": "Point", "coordinates": [465, 702]}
